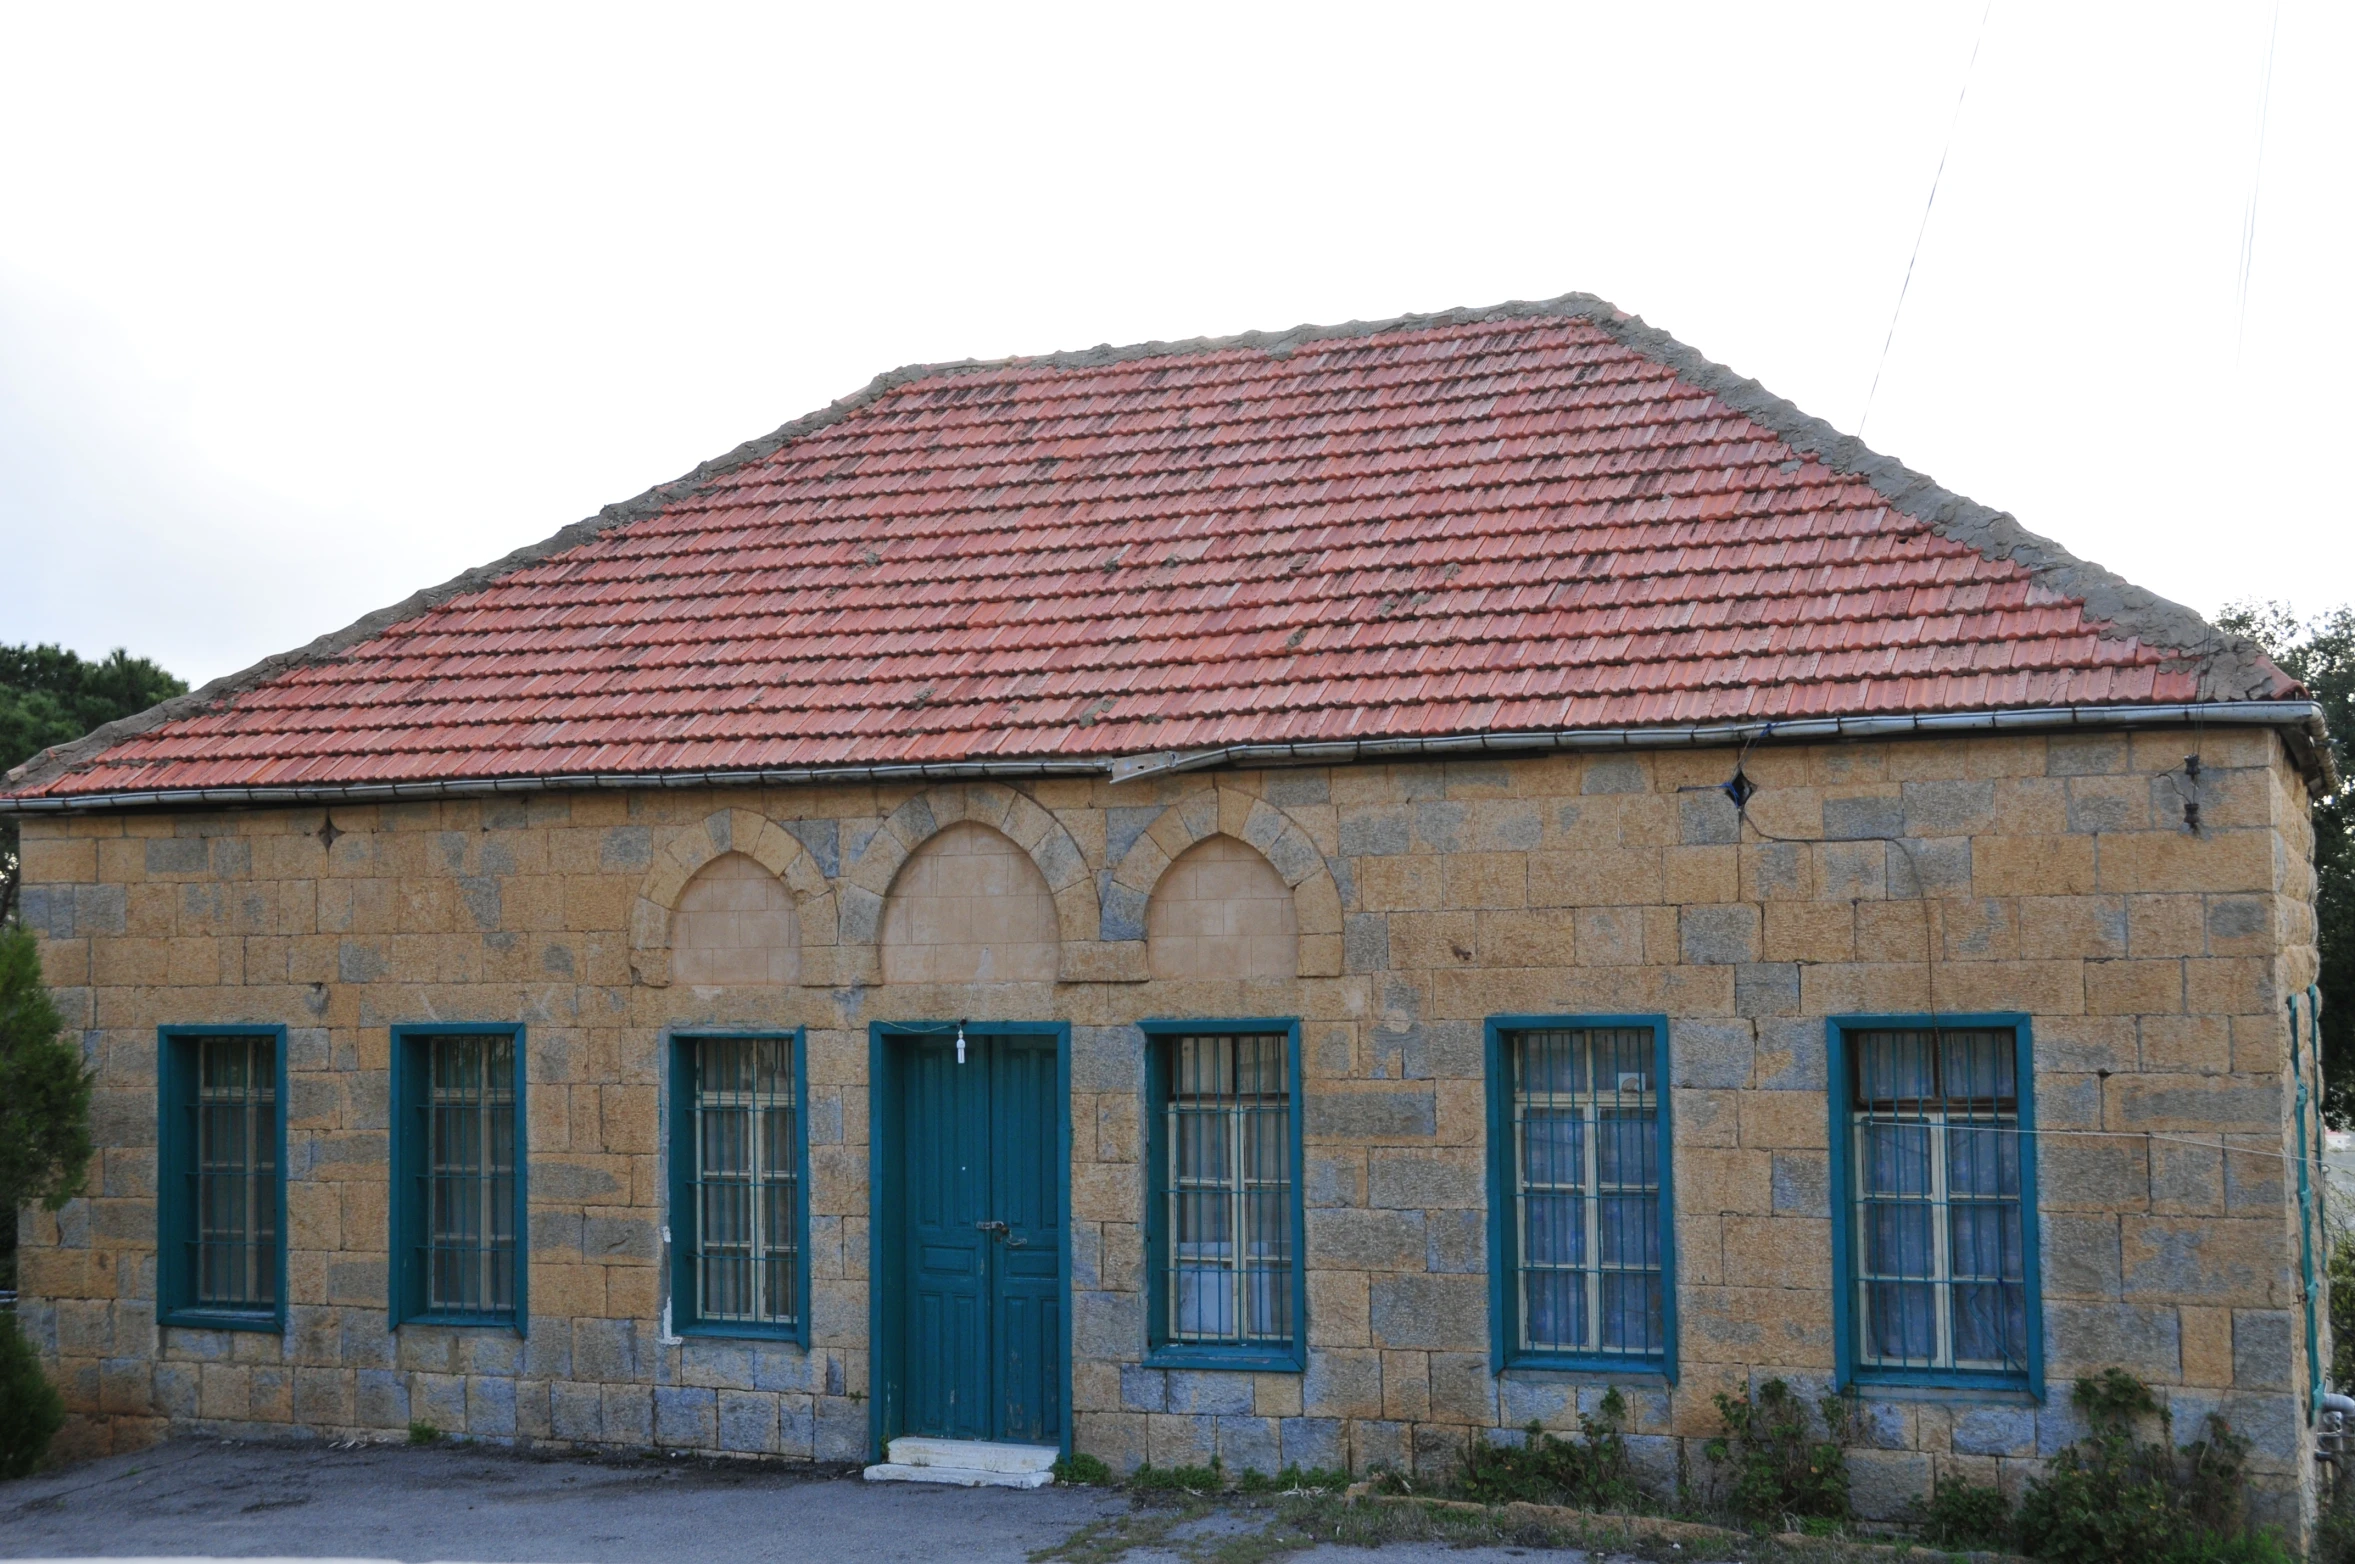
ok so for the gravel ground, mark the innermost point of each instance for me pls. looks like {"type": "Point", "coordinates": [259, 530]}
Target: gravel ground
{"type": "Point", "coordinates": [210, 1498]}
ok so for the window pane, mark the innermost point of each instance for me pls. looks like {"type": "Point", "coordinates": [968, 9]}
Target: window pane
{"type": "Point", "coordinates": [747, 1231]}
{"type": "Point", "coordinates": [471, 1168]}
{"type": "Point", "coordinates": [233, 1250]}
{"type": "Point", "coordinates": [1227, 1189]}
{"type": "Point", "coordinates": [1586, 1207]}
{"type": "Point", "coordinates": [1940, 1241]}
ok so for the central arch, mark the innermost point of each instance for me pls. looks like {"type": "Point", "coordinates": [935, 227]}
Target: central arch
{"type": "Point", "coordinates": [969, 906]}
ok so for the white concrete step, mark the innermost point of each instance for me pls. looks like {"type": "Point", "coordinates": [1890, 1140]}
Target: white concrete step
{"type": "Point", "coordinates": [965, 1463]}
{"type": "Point", "coordinates": [955, 1476]}
{"type": "Point", "coordinates": [981, 1455]}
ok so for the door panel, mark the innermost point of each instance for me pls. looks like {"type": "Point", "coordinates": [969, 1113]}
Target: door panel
{"type": "Point", "coordinates": [983, 1144]}
{"type": "Point", "coordinates": [1026, 1189]}
{"type": "Point", "coordinates": [947, 1141]}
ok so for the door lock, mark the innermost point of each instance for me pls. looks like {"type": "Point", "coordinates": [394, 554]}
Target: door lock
{"type": "Point", "coordinates": [998, 1228]}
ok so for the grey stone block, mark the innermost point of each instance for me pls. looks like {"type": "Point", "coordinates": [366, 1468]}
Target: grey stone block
{"type": "Point", "coordinates": [1439, 826]}
{"type": "Point", "coordinates": [1201, 1392]}
{"type": "Point", "coordinates": [1457, 1242]}
{"type": "Point", "coordinates": [842, 1429]}
{"type": "Point", "coordinates": [1372, 1115]}
{"type": "Point", "coordinates": [1791, 1054]}
{"type": "Point", "coordinates": [357, 961]}
{"type": "Point", "coordinates": [1107, 1059]}
{"type": "Point", "coordinates": [1378, 1445]}
{"type": "Point", "coordinates": [1883, 1483]}
{"type": "Point", "coordinates": [1381, 831]}
{"type": "Point", "coordinates": [1365, 942]}
{"type": "Point", "coordinates": [1250, 1444]}
{"type": "Point", "coordinates": [488, 1352]}
{"type": "Point", "coordinates": [176, 854]}
{"type": "Point", "coordinates": [1707, 819]}
{"type": "Point", "coordinates": [2146, 1342]}
{"type": "Point", "coordinates": [780, 1365]}
{"type": "Point", "coordinates": [1949, 808]}
{"type": "Point", "coordinates": [1447, 1313]}
{"type": "Point", "coordinates": [797, 1426]}
{"type": "Point", "coordinates": [490, 1407]}
{"type": "Point", "coordinates": [822, 840]}
{"type": "Point", "coordinates": [605, 1350]}
{"type": "Point", "coordinates": [1422, 1181]}
{"type": "Point", "coordinates": [1143, 1389]}
{"type": "Point", "coordinates": [1858, 819]}
{"type": "Point", "coordinates": [1314, 1443]}
{"type": "Point", "coordinates": [1928, 866]}
{"type": "Point", "coordinates": [1107, 1325]}
{"type": "Point", "coordinates": [1994, 1430]}
{"type": "Point", "coordinates": [439, 1399]}
{"type": "Point", "coordinates": [686, 1416]}
{"type": "Point", "coordinates": [1802, 1183]}
{"type": "Point", "coordinates": [1719, 935]}
{"type": "Point", "coordinates": [1124, 908]}
{"type": "Point", "coordinates": [576, 1411]}
{"type": "Point", "coordinates": [1711, 1054]}
{"type": "Point", "coordinates": [1768, 988]}
{"type": "Point", "coordinates": [619, 1238]}
{"type": "Point", "coordinates": [2261, 1352]}
{"type": "Point", "coordinates": [1361, 1240]}
{"type": "Point", "coordinates": [629, 1414]}
{"type": "Point", "coordinates": [748, 1422]}
{"type": "Point", "coordinates": [383, 1398]}
{"type": "Point", "coordinates": [1615, 774]}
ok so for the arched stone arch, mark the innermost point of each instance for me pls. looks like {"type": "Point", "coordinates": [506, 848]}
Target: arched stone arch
{"type": "Point", "coordinates": [766, 843]}
{"type": "Point", "coordinates": [969, 906]}
{"type": "Point", "coordinates": [1222, 911]}
{"type": "Point", "coordinates": [1215, 811]}
{"type": "Point", "coordinates": [1014, 815]}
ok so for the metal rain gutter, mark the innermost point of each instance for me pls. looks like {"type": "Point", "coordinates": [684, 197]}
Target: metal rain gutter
{"type": "Point", "coordinates": [2301, 724]}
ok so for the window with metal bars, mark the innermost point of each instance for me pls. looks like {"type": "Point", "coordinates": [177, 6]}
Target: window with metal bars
{"type": "Point", "coordinates": [1937, 1173]}
{"type": "Point", "coordinates": [221, 1188]}
{"type": "Point", "coordinates": [459, 1172]}
{"type": "Point", "coordinates": [1225, 1212]}
{"type": "Point", "coordinates": [1579, 1193]}
{"type": "Point", "coordinates": [738, 1168]}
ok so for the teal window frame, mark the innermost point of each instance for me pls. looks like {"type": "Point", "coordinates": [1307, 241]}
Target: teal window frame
{"type": "Point", "coordinates": [176, 1050]}
{"type": "Point", "coordinates": [686, 1232]}
{"type": "Point", "coordinates": [1504, 1262]}
{"type": "Point", "coordinates": [411, 1225]}
{"type": "Point", "coordinates": [1840, 1060]}
{"type": "Point", "coordinates": [1160, 1352]}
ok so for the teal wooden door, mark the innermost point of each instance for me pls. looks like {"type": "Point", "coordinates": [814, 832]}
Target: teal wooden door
{"type": "Point", "coordinates": [983, 1267]}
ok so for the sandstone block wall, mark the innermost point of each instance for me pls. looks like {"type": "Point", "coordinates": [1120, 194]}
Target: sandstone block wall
{"type": "Point", "coordinates": [2047, 875]}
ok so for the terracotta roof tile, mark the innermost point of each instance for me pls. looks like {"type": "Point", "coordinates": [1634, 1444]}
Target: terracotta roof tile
{"type": "Point", "coordinates": [1501, 522]}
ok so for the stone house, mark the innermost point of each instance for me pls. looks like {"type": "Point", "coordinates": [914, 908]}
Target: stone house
{"type": "Point", "coordinates": [1294, 897]}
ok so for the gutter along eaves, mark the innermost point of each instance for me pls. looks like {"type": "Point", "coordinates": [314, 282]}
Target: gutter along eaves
{"type": "Point", "coordinates": [2299, 722]}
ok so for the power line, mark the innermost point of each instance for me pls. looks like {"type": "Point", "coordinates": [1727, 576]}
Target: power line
{"type": "Point", "coordinates": [1904, 287]}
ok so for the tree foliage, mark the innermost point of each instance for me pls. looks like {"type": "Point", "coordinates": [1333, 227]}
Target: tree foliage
{"type": "Point", "coordinates": [44, 1088]}
{"type": "Point", "coordinates": [50, 696]}
{"type": "Point", "coordinates": [2320, 654]}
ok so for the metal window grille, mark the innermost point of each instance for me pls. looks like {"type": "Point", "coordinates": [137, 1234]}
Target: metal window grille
{"type": "Point", "coordinates": [234, 1259]}
{"type": "Point", "coordinates": [1940, 1280]}
{"type": "Point", "coordinates": [1586, 1197]}
{"type": "Point", "coordinates": [1229, 1193]}
{"type": "Point", "coordinates": [747, 1257]}
{"type": "Point", "coordinates": [471, 1125]}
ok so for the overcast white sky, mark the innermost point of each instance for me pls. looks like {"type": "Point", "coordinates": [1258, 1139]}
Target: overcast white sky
{"type": "Point", "coordinates": [303, 308]}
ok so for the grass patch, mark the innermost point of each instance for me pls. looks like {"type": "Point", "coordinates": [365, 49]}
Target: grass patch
{"type": "Point", "coordinates": [423, 1433]}
{"type": "Point", "coordinates": [1082, 1471]}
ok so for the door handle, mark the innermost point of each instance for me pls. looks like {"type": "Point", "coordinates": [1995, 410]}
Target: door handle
{"type": "Point", "coordinates": [997, 1228]}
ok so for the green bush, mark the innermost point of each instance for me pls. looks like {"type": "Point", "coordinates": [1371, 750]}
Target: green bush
{"type": "Point", "coordinates": [31, 1411]}
{"type": "Point", "coordinates": [1292, 1479]}
{"type": "Point", "coordinates": [2111, 1498]}
{"type": "Point", "coordinates": [1149, 1478]}
{"type": "Point", "coordinates": [1545, 1469]}
{"type": "Point", "coordinates": [1964, 1514]}
{"type": "Point", "coordinates": [423, 1433]}
{"type": "Point", "coordinates": [1081, 1470]}
{"type": "Point", "coordinates": [1781, 1466]}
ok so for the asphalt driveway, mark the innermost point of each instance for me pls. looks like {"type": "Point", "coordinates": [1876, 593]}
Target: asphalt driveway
{"type": "Point", "coordinates": [210, 1498]}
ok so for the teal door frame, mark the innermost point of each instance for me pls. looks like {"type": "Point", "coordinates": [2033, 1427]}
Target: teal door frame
{"type": "Point", "coordinates": [887, 1294]}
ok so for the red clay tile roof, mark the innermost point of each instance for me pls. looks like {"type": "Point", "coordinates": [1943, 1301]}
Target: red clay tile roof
{"type": "Point", "coordinates": [1538, 517]}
